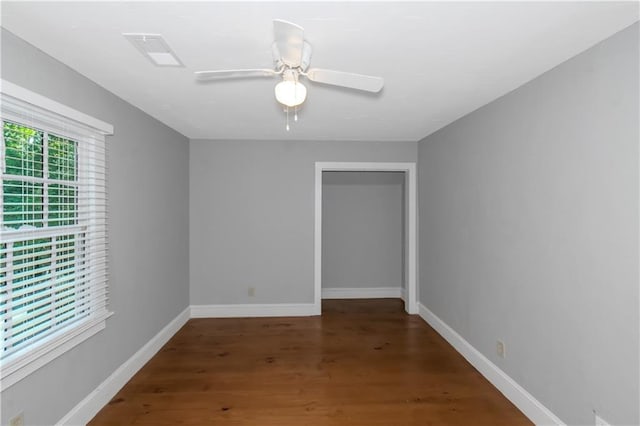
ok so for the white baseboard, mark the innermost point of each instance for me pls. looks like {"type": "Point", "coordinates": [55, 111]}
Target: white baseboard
{"type": "Point", "coordinates": [362, 293]}
{"type": "Point", "coordinates": [86, 409]}
{"type": "Point", "coordinates": [255, 310]}
{"type": "Point", "coordinates": [531, 407]}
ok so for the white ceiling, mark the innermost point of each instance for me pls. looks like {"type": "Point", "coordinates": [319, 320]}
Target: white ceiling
{"type": "Point", "coordinates": [440, 60]}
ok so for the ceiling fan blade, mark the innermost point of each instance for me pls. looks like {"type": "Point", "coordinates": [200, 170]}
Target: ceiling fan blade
{"type": "Point", "coordinates": [346, 79]}
{"type": "Point", "coordinates": [289, 39]}
{"type": "Point", "coordinates": [229, 74]}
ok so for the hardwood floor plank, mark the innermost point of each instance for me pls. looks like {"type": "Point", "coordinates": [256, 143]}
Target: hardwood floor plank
{"type": "Point", "coordinates": [364, 362]}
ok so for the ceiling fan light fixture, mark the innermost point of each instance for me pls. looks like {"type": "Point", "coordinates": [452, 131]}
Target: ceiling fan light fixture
{"type": "Point", "coordinates": [290, 93]}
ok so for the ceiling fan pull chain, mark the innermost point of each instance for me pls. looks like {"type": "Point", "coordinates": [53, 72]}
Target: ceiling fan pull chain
{"type": "Point", "coordinates": [287, 119]}
{"type": "Point", "coordinates": [295, 114]}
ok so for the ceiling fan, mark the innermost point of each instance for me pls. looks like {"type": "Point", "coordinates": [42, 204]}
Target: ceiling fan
{"type": "Point", "coordinates": [292, 56]}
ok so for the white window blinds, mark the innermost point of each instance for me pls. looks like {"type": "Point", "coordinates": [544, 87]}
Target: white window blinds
{"type": "Point", "coordinates": [53, 245]}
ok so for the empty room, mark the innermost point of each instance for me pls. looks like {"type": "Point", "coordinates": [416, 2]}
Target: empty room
{"type": "Point", "coordinates": [320, 213]}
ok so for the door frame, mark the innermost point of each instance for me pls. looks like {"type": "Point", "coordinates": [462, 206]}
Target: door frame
{"type": "Point", "coordinates": [411, 221]}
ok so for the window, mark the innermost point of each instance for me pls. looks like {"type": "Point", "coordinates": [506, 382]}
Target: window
{"type": "Point", "coordinates": [53, 271]}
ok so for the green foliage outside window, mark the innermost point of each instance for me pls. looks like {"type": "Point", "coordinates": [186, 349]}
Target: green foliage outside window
{"type": "Point", "coordinates": [23, 145]}
{"type": "Point", "coordinates": [24, 199]}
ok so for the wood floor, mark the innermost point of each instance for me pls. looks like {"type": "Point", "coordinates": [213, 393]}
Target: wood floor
{"type": "Point", "coordinates": [364, 362]}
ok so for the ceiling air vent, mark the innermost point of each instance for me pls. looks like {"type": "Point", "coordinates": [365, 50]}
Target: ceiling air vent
{"type": "Point", "coordinates": [155, 49]}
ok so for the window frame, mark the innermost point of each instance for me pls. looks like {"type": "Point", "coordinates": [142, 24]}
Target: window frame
{"type": "Point", "coordinates": [22, 106]}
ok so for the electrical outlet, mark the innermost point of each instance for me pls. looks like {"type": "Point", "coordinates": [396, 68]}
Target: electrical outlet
{"type": "Point", "coordinates": [600, 421]}
{"type": "Point", "coordinates": [500, 349]}
{"type": "Point", "coordinates": [251, 292]}
{"type": "Point", "coordinates": [17, 420]}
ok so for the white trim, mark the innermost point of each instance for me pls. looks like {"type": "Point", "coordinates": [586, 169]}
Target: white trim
{"type": "Point", "coordinates": [531, 407]}
{"type": "Point", "coordinates": [409, 168]}
{"type": "Point", "coordinates": [86, 409]}
{"type": "Point", "coordinates": [254, 310]}
{"type": "Point", "coordinates": [362, 292]}
{"type": "Point", "coordinates": [60, 343]}
{"type": "Point", "coordinates": [17, 92]}
{"type": "Point", "coordinates": [317, 240]}
{"type": "Point", "coordinates": [638, 241]}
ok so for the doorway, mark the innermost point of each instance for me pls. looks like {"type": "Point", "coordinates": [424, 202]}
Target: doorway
{"type": "Point", "coordinates": [410, 220]}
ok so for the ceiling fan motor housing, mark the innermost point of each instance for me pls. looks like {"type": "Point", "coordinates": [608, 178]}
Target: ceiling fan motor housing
{"type": "Point", "coordinates": [305, 59]}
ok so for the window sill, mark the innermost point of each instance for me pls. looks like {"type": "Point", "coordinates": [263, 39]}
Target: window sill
{"type": "Point", "coordinates": [15, 369]}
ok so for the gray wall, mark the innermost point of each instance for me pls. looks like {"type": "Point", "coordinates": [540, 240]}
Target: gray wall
{"type": "Point", "coordinates": [252, 215]}
{"type": "Point", "coordinates": [362, 229]}
{"type": "Point", "coordinates": [529, 232]}
{"type": "Point", "coordinates": [148, 235]}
